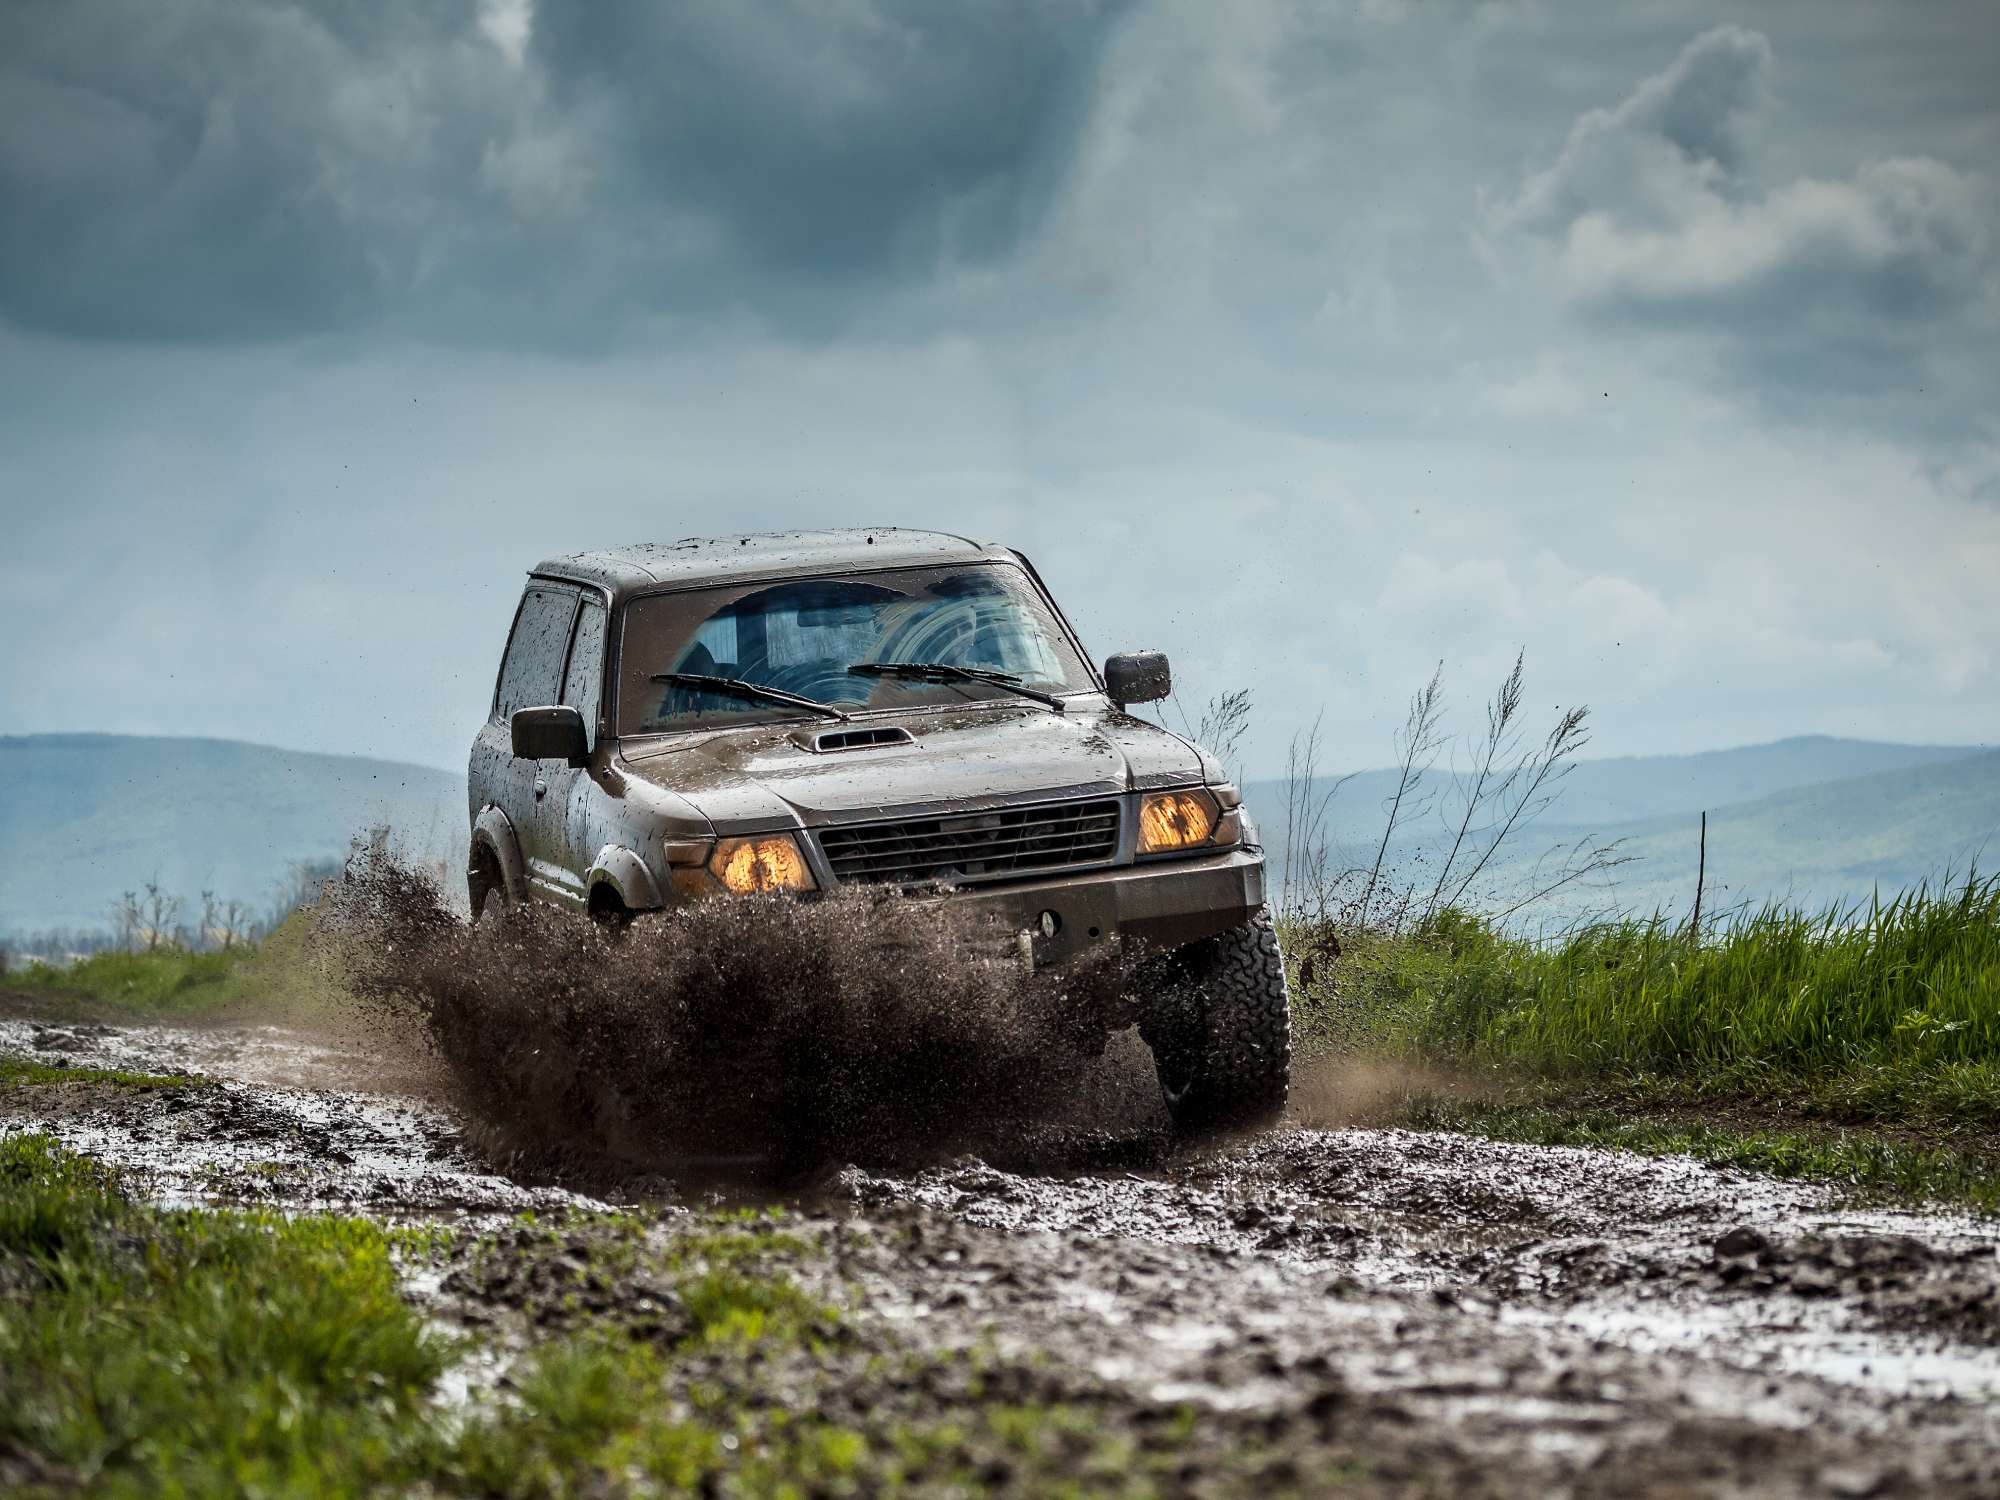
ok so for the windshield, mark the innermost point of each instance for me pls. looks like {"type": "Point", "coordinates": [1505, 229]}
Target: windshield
{"type": "Point", "coordinates": [802, 635]}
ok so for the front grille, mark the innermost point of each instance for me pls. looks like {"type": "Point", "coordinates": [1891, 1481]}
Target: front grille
{"type": "Point", "coordinates": [1007, 841]}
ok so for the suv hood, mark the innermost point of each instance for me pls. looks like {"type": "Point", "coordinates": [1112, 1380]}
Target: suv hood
{"type": "Point", "coordinates": [744, 780]}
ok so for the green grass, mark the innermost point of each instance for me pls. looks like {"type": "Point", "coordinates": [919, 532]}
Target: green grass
{"type": "Point", "coordinates": [1782, 1027]}
{"type": "Point", "coordinates": [1859, 1006]}
{"type": "Point", "coordinates": [145, 1353]}
{"type": "Point", "coordinates": [26, 1072]}
{"type": "Point", "coordinates": [282, 976]}
{"type": "Point", "coordinates": [163, 982]}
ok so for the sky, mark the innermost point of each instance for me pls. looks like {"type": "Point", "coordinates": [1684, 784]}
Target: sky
{"type": "Point", "coordinates": [1314, 343]}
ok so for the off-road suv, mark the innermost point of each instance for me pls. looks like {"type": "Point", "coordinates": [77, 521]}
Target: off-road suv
{"type": "Point", "coordinates": [808, 710]}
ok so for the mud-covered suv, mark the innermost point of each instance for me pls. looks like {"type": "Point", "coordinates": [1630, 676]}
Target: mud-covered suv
{"type": "Point", "coordinates": [808, 710]}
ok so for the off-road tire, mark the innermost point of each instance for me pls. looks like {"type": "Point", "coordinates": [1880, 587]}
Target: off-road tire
{"type": "Point", "coordinates": [1222, 1045]}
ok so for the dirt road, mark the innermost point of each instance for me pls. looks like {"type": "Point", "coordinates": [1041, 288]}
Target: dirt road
{"type": "Point", "coordinates": [1467, 1316]}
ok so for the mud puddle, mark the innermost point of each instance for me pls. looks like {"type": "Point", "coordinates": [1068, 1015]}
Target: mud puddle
{"type": "Point", "coordinates": [1658, 1255]}
{"type": "Point", "coordinates": [1521, 1319]}
{"type": "Point", "coordinates": [256, 1132]}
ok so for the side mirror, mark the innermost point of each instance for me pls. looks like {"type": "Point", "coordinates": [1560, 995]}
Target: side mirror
{"type": "Point", "coordinates": [1137, 677]}
{"type": "Point", "coordinates": [554, 733]}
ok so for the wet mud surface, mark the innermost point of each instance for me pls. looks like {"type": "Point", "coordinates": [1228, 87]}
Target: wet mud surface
{"type": "Point", "coordinates": [1422, 1313]}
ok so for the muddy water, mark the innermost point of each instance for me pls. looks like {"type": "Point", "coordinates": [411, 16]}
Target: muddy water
{"type": "Point", "coordinates": [269, 1130]}
{"type": "Point", "coordinates": [1551, 1319]}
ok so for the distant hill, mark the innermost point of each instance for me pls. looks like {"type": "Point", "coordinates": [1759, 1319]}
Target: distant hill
{"type": "Point", "coordinates": [1838, 841]}
{"type": "Point", "coordinates": [1631, 788]}
{"type": "Point", "coordinates": [1798, 836]}
{"type": "Point", "coordinates": [85, 816]}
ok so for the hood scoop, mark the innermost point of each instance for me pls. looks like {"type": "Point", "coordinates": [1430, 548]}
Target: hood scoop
{"type": "Point", "coordinates": [830, 740]}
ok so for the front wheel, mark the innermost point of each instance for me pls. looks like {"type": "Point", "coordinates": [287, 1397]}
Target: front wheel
{"type": "Point", "coordinates": [1222, 1041]}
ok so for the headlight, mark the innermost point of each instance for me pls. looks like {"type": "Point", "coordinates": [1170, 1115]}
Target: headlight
{"type": "Point", "coordinates": [1182, 820]}
{"type": "Point", "coordinates": [761, 862]}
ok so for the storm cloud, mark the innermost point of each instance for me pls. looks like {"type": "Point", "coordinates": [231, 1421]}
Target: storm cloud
{"type": "Point", "coordinates": [833, 137]}
{"type": "Point", "coordinates": [206, 170]}
{"type": "Point", "coordinates": [1657, 210]}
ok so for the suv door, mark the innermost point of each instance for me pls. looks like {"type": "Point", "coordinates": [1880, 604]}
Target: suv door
{"type": "Point", "coordinates": [530, 677]}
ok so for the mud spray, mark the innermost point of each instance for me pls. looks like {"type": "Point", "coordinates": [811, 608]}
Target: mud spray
{"type": "Point", "coordinates": [762, 1030]}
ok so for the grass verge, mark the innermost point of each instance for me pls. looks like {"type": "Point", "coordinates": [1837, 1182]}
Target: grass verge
{"type": "Point", "coordinates": [278, 978]}
{"type": "Point", "coordinates": [1872, 1162]}
{"type": "Point", "coordinates": [1858, 1045]}
{"type": "Point", "coordinates": [168, 981]}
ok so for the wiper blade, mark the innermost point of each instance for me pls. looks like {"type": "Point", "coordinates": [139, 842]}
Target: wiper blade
{"type": "Point", "coordinates": [736, 687]}
{"type": "Point", "coordinates": [944, 671]}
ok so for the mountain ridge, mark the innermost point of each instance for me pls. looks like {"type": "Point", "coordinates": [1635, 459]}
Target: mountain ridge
{"type": "Point", "coordinates": [1631, 788]}
{"type": "Point", "coordinates": [85, 816]}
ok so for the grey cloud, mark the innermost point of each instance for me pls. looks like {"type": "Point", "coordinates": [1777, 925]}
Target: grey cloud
{"type": "Point", "coordinates": [197, 169]}
{"type": "Point", "coordinates": [1900, 240]}
{"type": "Point", "coordinates": [842, 136]}
{"type": "Point", "coordinates": [1655, 213]}
{"type": "Point", "coordinates": [1683, 130]}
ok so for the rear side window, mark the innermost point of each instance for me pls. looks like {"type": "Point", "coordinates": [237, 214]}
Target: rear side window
{"type": "Point", "coordinates": [583, 683]}
{"type": "Point", "coordinates": [532, 672]}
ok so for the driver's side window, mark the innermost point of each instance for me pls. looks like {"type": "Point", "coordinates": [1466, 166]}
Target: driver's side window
{"type": "Point", "coordinates": [583, 681]}
{"type": "Point", "coordinates": [532, 668]}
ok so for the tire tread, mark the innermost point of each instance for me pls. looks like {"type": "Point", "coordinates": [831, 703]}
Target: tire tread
{"type": "Point", "coordinates": [1244, 1036]}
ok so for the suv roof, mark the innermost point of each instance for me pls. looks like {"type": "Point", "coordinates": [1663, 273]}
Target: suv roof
{"type": "Point", "coordinates": [767, 554]}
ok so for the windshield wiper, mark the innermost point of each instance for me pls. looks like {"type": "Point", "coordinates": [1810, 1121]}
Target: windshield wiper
{"type": "Point", "coordinates": [736, 687]}
{"type": "Point", "coordinates": [944, 671]}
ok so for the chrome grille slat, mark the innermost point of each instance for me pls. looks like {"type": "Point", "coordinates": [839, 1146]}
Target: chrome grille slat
{"type": "Point", "coordinates": [985, 850]}
{"type": "Point", "coordinates": [995, 842]}
{"type": "Point", "coordinates": [981, 838]}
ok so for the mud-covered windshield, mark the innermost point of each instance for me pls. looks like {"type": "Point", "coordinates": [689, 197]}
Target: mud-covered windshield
{"type": "Point", "coordinates": [802, 635]}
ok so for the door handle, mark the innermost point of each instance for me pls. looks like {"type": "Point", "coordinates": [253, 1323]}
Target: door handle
{"type": "Point", "coordinates": [541, 789]}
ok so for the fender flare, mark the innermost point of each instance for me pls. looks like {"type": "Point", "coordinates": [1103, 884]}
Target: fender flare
{"type": "Point", "coordinates": [627, 874]}
{"type": "Point", "coordinates": [493, 831]}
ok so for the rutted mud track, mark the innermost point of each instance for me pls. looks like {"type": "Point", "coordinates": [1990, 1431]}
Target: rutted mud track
{"type": "Point", "coordinates": [1479, 1317]}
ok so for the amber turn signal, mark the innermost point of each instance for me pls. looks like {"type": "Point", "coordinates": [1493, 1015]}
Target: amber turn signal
{"type": "Point", "coordinates": [1176, 820]}
{"type": "Point", "coordinates": [762, 862]}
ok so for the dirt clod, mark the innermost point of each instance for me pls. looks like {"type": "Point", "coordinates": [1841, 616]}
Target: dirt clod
{"type": "Point", "coordinates": [1742, 1240]}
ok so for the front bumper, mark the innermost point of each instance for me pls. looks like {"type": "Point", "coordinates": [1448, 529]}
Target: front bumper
{"type": "Point", "coordinates": [1164, 903]}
